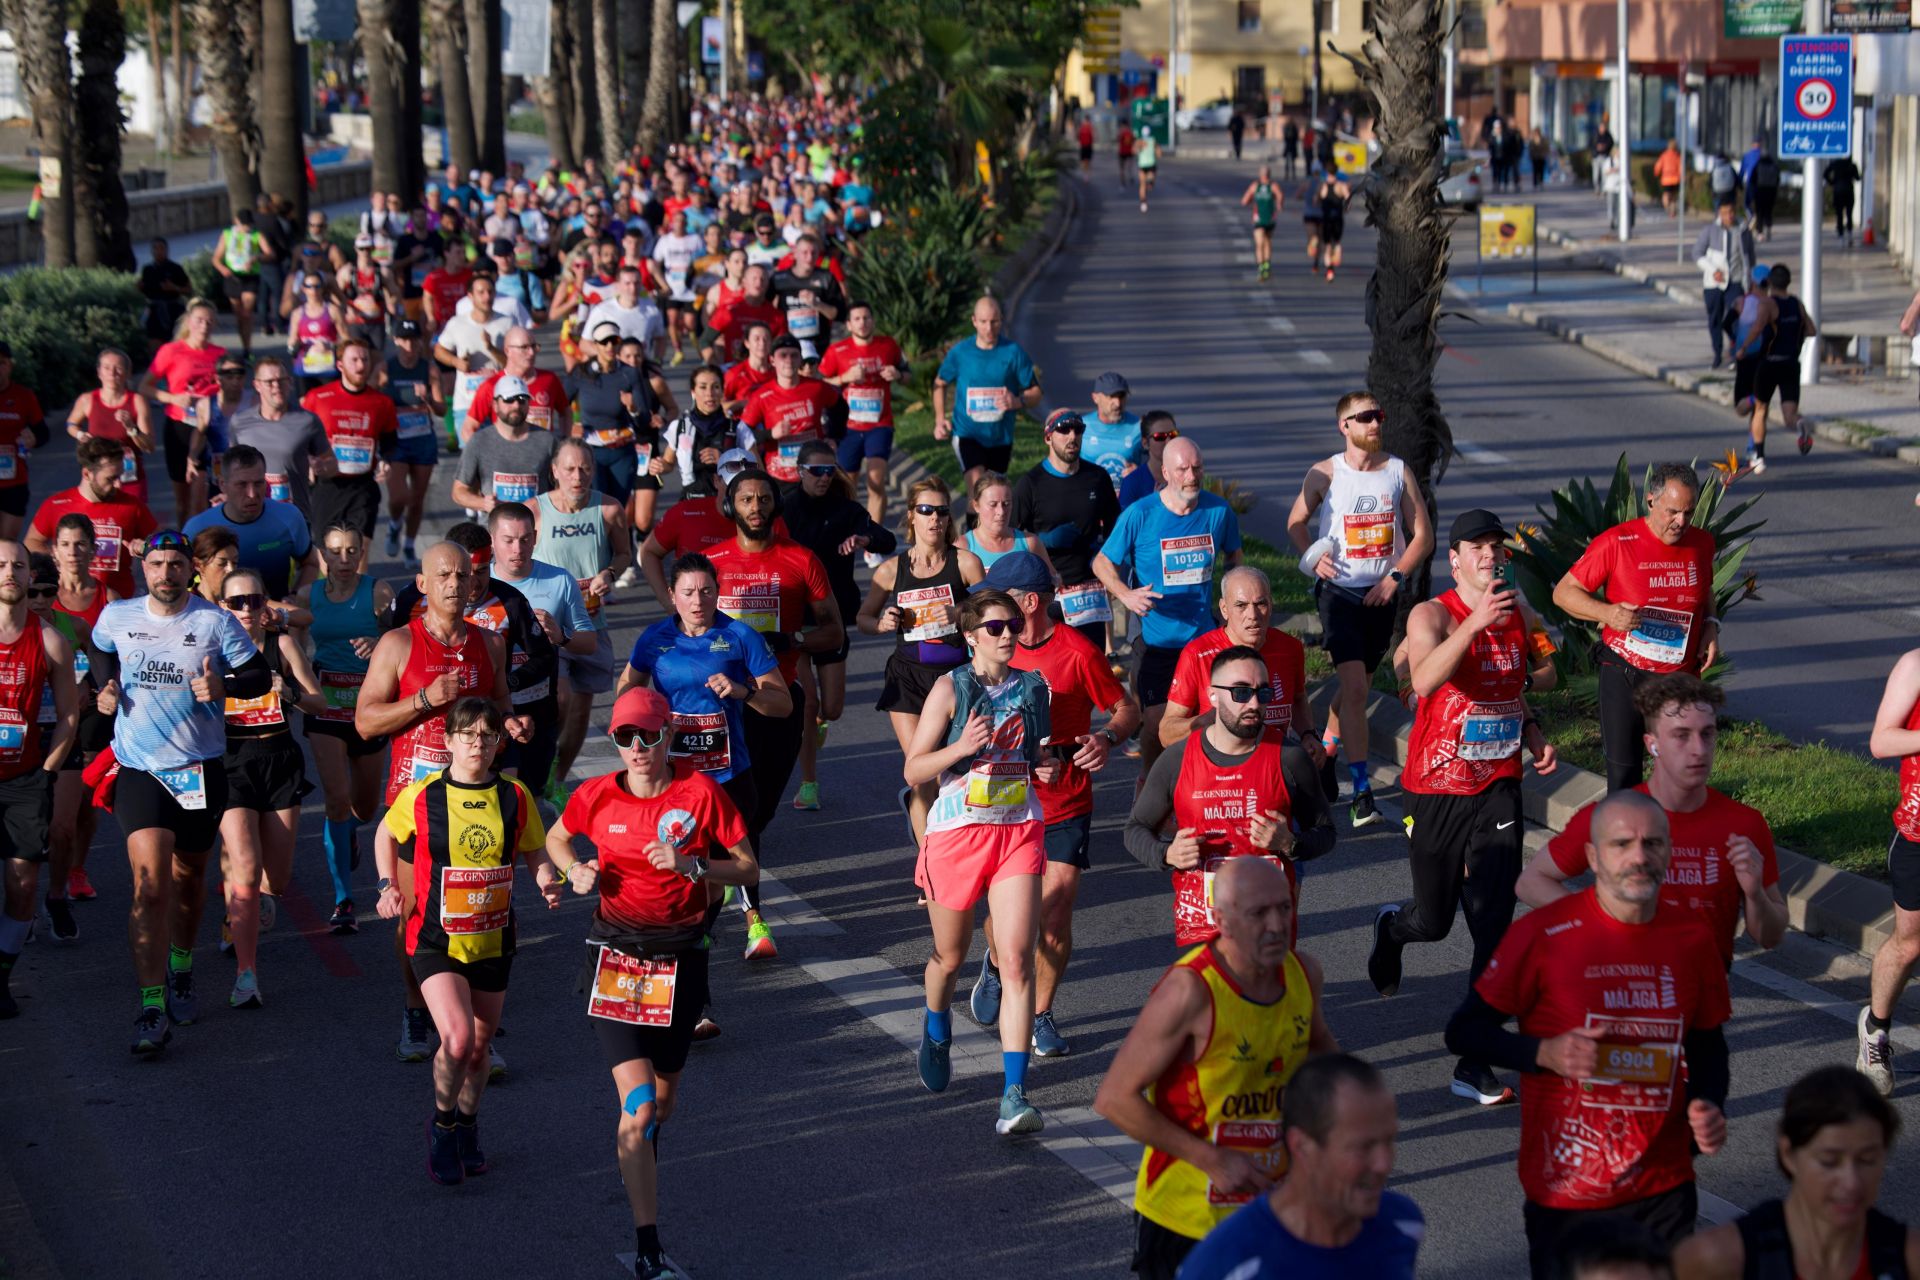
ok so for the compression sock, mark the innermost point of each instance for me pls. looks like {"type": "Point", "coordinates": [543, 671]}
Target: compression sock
{"type": "Point", "coordinates": [444, 1119]}
{"type": "Point", "coordinates": [13, 938]}
{"type": "Point", "coordinates": [646, 1240]}
{"type": "Point", "coordinates": [1878, 1024]}
{"type": "Point", "coordinates": [1014, 1066]}
{"type": "Point", "coordinates": [939, 1025]}
{"type": "Point", "coordinates": [461, 1117]}
{"type": "Point", "coordinates": [179, 960]}
{"type": "Point", "coordinates": [1358, 768]}
{"type": "Point", "coordinates": [153, 997]}
{"type": "Point", "coordinates": [339, 842]}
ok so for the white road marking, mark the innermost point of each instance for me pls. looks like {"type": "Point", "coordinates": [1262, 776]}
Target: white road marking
{"type": "Point", "coordinates": [1806, 993]}
{"type": "Point", "coordinates": [1313, 355]}
{"type": "Point", "coordinates": [1280, 324]}
{"type": "Point", "coordinates": [1476, 453]}
{"type": "Point", "coordinates": [1714, 1211]}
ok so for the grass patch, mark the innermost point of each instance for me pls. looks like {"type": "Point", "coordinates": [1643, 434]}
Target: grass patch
{"type": "Point", "coordinates": [13, 178]}
{"type": "Point", "coordinates": [1864, 430]}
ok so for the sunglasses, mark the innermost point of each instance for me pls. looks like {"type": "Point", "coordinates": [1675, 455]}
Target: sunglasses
{"type": "Point", "coordinates": [1161, 437]}
{"type": "Point", "coordinates": [1243, 693]}
{"type": "Point", "coordinates": [625, 738]}
{"type": "Point", "coordinates": [929, 509]}
{"type": "Point", "coordinates": [42, 593]}
{"type": "Point", "coordinates": [1071, 427]}
{"type": "Point", "coordinates": [1366, 415]}
{"type": "Point", "coordinates": [514, 399]}
{"type": "Point", "coordinates": [169, 540]}
{"type": "Point", "coordinates": [997, 627]}
{"type": "Point", "coordinates": [230, 373]}
{"type": "Point", "coordinates": [252, 600]}
{"type": "Point", "coordinates": [819, 469]}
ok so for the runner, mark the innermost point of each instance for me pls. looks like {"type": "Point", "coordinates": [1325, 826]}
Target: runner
{"type": "Point", "coordinates": [1200, 1077]}
{"type": "Point", "coordinates": [1331, 1217]}
{"type": "Point", "coordinates": [1896, 736]}
{"type": "Point", "coordinates": [35, 659]}
{"type": "Point", "coordinates": [181, 377]}
{"type": "Point", "coordinates": [1246, 602]}
{"type": "Point", "coordinates": [1173, 543]}
{"type": "Point", "coordinates": [76, 604]}
{"type": "Point", "coordinates": [363, 427]}
{"type": "Point", "coordinates": [916, 597]}
{"type": "Point", "coordinates": [510, 462]}
{"type": "Point", "coordinates": [472, 345]}
{"type": "Point", "coordinates": [633, 314]}
{"type": "Point", "coordinates": [292, 442]}
{"type": "Point", "coordinates": [583, 533]}
{"type": "Point", "coordinates": [1070, 506]}
{"type": "Point", "coordinates": [982, 739]}
{"type": "Point", "coordinates": [699, 436]}
{"type": "Point", "coordinates": [864, 365]}
{"type": "Point", "coordinates": [1123, 145]}
{"type": "Point", "coordinates": [314, 331]}
{"type": "Point", "coordinates": [112, 412]}
{"type": "Point", "coordinates": [1749, 336]}
{"type": "Point", "coordinates": [1112, 439]}
{"type": "Point", "coordinates": [822, 516]}
{"type": "Point", "coordinates": [1078, 683]}
{"type": "Point", "coordinates": [1788, 325]}
{"type": "Point", "coordinates": [412, 381]}
{"type": "Point", "coordinates": [754, 370]}
{"type": "Point", "coordinates": [676, 252]}
{"type": "Point", "coordinates": [785, 414]}
{"type": "Point", "coordinates": [459, 830]}
{"type": "Point", "coordinates": [1657, 615]}
{"type": "Point", "coordinates": [1473, 654]}
{"type": "Point", "coordinates": [728, 328]}
{"type": "Point", "coordinates": [610, 398]}
{"type": "Point", "coordinates": [266, 780]}
{"type": "Point", "coordinates": [1373, 529]}
{"type": "Point", "coordinates": [1835, 1137]}
{"type": "Point", "coordinates": [346, 606]}
{"type": "Point", "coordinates": [272, 536]}
{"type": "Point", "coordinates": [1323, 248]}
{"type": "Point", "coordinates": [561, 612]}
{"type": "Point", "coordinates": [182, 658]}
{"type": "Point", "coordinates": [1708, 829]}
{"type": "Point", "coordinates": [1146, 161]}
{"type": "Point", "coordinates": [982, 385]}
{"type": "Point", "coordinates": [117, 519]}
{"type": "Point", "coordinates": [1264, 194]}
{"type": "Point", "coordinates": [991, 533]}
{"type": "Point", "coordinates": [238, 253]}
{"type": "Point", "coordinates": [667, 840]}
{"type": "Point", "coordinates": [1611, 989]}
{"type": "Point", "coordinates": [810, 296]}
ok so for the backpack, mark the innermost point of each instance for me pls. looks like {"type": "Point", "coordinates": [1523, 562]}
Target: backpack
{"type": "Point", "coordinates": [1763, 1234]}
{"type": "Point", "coordinates": [1766, 173]}
{"type": "Point", "coordinates": [1035, 714]}
{"type": "Point", "coordinates": [1723, 178]}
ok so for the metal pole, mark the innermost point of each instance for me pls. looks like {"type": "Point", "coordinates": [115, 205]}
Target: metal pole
{"type": "Point", "coordinates": [1683, 130]}
{"type": "Point", "coordinates": [726, 50]}
{"type": "Point", "coordinates": [1815, 20]}
{"type": "Point", "coordinates": [1453, 58]}
{"type": "Point", "coordinates": [1623, 134]}
{"type": "Point", "coordinates": [1173, 72]}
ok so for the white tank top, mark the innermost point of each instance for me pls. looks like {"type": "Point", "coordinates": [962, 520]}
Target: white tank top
{"type": "Point", "coordinates": [1362, 518]}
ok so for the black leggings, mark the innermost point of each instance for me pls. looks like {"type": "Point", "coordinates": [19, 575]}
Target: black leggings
{"type": "Point", "coordinates": [1465, 851]}
{"type": "Point", "coordinates": [1622, 730]}
{"type": "Point", "coordinates": [773, 748]}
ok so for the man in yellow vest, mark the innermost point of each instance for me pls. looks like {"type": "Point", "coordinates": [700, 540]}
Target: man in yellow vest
{"type": "Point", "coordinates": [1199, 1078]}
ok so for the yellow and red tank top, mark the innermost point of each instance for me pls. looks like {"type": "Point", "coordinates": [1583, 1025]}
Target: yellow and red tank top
{"type": "Point", "coordinates": [1219, 803]}
{"type": "Point", "coordinates": [1230, 1096]}
{"type": "Point", "coordinates": [1466, 733]}
{"type": "Point", "coordinates": [464, 839]}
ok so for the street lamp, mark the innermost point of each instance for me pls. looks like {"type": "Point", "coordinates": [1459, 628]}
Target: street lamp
{"type": "Point", "coordinates": [1623, 133]}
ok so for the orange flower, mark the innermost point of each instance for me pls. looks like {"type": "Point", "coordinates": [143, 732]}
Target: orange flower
{"type": "Point", "coordinates": [1732, 468]}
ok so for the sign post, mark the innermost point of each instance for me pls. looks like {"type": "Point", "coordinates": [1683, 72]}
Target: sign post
{"type": "Point", "coordinates": [1816, 124]}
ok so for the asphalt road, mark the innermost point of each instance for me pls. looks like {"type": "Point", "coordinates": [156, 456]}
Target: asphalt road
{"type": "Point", "coordinates": [288, 1142]}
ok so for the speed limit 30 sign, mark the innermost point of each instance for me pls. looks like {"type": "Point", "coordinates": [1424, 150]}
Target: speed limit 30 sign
{"type": "Point", "coordinates": [1816, 96]}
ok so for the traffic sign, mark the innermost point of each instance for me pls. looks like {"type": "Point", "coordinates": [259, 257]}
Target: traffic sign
{"type": "Point", "coordinates": [1816, 97]}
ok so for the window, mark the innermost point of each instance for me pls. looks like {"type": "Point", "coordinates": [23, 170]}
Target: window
{"type": "Point", "coordinates": [1327, 14]}
{"type": "Point", "coordinates": [1366, 15]}
{"type": "Point", "coordinates": [1473, 24]}
{"type": "Point", "coordinates": [1249, 15]}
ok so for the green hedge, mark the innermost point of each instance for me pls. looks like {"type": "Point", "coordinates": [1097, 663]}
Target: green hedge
{"type": "Point", "coordinates": [58, 320]}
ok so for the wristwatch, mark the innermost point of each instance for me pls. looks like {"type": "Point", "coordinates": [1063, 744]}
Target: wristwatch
{"type": "Point", "coordinates": [382, 885]}
{"type": "Point", "coordinates": [1113, 739]}
{"type": "Point", "coordinates": [1396, 575]}
{"type": "Point", "coordinates": [699, 871]}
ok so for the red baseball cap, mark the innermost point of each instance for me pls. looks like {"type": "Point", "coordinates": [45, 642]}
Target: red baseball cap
{"type": "Point", "coordinates": [640, 708]}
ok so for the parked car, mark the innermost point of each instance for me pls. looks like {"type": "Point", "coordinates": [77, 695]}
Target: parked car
{"type": "Point", "coordinates": [1212, 115]}
{"type": "Point", "coordinates": [1459, 175]}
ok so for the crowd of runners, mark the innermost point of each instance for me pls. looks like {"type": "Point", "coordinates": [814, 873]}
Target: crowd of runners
{"type": "Point", "coordinates": [710, 446]}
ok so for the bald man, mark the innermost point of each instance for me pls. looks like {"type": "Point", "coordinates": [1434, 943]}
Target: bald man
{"type": "Point", "coordinates": [983, 384]}
{"type": "Point", "coordinates": [547, 400]}
{"type": "Point", "coordinates": [1246, 603]}
{"type": "Point", "coordinates": [1171, 545]}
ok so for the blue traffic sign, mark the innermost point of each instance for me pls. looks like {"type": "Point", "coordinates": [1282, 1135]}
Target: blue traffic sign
{"type": "Point", "coordinates": [1816, 97]}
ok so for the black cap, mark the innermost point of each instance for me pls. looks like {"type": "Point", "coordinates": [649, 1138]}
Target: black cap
{"type": "Point", "coordinates": [500, 247]}
{"type": "Point", "coordinates": [786, 342]}
{"type": "Point", "coordinates": [1469, 526]}
{"type": "Point", "coordinates": [406, 329]}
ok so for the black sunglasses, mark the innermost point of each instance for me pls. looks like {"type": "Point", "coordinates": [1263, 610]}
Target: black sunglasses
{"type": "Point", "coordinates": [928, 509]}
{"type": "Point", "coordinates": [252, 600]}
{"type": "Point", "coordinates": [1241, 693]}
{"type": "Point", "coordinates": [819, 468]}
{"type": "Point", "coordinates": [625, 738]}
{"type": "Point", "coordinates": [42, 593]}
{"type": "Point", "coordinates": [1367, 415]}
{"type": "Point", "coordinates": [1070, 427]}
{"type": "Point", "coordinates": [997, 627]}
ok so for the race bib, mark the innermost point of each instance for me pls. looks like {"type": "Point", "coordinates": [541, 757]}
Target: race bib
{"type": "Point", "coordinates": [996, 791]}
{"type": "Point", "coordinates": [756, 604]}
{"type": "Point", "coordinates": [532, 693]}
{"type": "Point", "coordinates": [803, 322]}
{"type": "Point", "coordinates": [426, 761]}
{"type": "Point", "coordinates": [475, 899]}
{"type": "Point", "coordinates": [256, 712]}
{"type": "Point", "coordinates": [609, 437]}
{"type": "Point", "coordinates": [412, 424]}
{"type": "Point", "coordinates": [1635, 1063]}
{"type": "Point", "coordinates": [130, 467]}
{"type": "Point", "coordinates": [1367, 536]}
{"type": "Point", "coordinates": [13, 736]}
{"type": "Point", "coordinates": [864, 406]}
{"type": "Point", "coordinates": [82, 664]}
{"type": "Point", "coordinates": [1660, 635]}
{"type": "Point", "coordinates": [540, 417]}
{"type": "Point", "coordinates": [187, 786]}
{"type": "Point", "coordinates": [634, 991]}
{"type": "Point", "coordinates": [643, 453]}
{"type": "Point", "coordinates": [1085, 604]}
{"type": "Point", "coordinates": [1210, 867]}
{"type": "Point", "coordinates": [784, 462]}
{"type": "Point", "coordinates": [1258, 1140]}
{"type": "Point", "coordinates": [677, 281]}
{"type": "Point", "coordinates": [106, 546]}
{"type": "Point", "coordinates": [701, 739]}
{"type": "Point", "coordinates": [354, 454]}
{"type": "Point", "coordinates": [9, 465]}
{"type": "Point", "coordinates": [513, 486]}
{"type": "Point", "coordinates": [317, 362]}
{"type": "Point", "coordinates": [465, 387]}
{"type": "Point", "coordinates": [383, 251]}
{"type": "Point", "coordinates": [983, 404]}
{"type": "Point", "coordinates": [1186, 562]}
{"type": "Point", "coordinates": [928, 616]}
{"type": "Point", "coordinates": [278, 489]}
{"type": "Point", "coordinates": [340, 690]}
{"type": "Point", "coordinates": [1490, 731]}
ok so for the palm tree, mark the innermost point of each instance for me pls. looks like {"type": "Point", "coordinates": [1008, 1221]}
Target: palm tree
{"type": "Point", "coordinates": [225, 72]}
{"type": "Point", "coordinates": [450, 49]}
{"type": "Point", "coordinates": [635, 23]}
{"type": "Point", "coordinates": [96, 109]}
{"type": "Point", "coordinates": [1399, 67]}
{"type": "Point", "coordinates": [283, 168]}
{"type": "Point", "coordinates": [554, 90]}
{"type": "Point", "coordinates": [485, 83]}
{"type": "Point", "coordinates": [384, 58]}
{"type": "Point", "coordinates": [39, 30]}
{"type": "Point", "coordinates": [584, 77]}
{"type": "Point", "coordinates": [606, 78]}
{"type": "Point", "coordinates": [663, 67]}
{"type": "Point", "coordinates": [406, 34]}
{"type": "Point", "coordinates": [980, 90]}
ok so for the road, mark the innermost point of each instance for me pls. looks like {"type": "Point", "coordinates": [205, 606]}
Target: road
{"type": "Point", "coordinates": [288, 1142]}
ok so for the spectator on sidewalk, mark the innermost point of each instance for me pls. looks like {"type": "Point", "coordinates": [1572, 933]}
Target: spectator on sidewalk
{"type": "Point", "coordinates": [1723, 181]}
{"type": "Point", "coordinates": [1763, 190]}
{"type": "Point", "coordinates": [1669, 170]}
{"type": "Point", "coordinates": [1539, 154]}
{"type": "Point", "coordinates": [1725, 254]}
{"type": "Point", "coordinates": [1602, 153]}
{"type": "Point", "coordinates": [1840, 176]}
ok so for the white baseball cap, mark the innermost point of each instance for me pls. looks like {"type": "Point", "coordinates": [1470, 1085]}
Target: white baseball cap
{"type": "Point", "coordinates": [506, 387]}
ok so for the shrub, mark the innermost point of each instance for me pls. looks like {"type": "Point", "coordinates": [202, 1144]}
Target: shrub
{"type": "Point", "coordinates": [57, 321]}
{"type": "Point", "coordinates": [921, 286]}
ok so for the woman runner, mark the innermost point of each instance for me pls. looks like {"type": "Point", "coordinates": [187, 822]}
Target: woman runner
{"type": "Point", "coordinates": [313, 331]}
{"type": "Point", "coordinates": [992, 535]}
{"type": "Point", "coordinates": [181, 378]}
{"type": "Point", "coordinates": [114, 412]}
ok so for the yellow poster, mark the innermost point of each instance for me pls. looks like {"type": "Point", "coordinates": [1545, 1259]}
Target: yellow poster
{"type": "Point", "coordinates": [1506, 231]}
{"type": "Point", "coordinates": [1350, 158]}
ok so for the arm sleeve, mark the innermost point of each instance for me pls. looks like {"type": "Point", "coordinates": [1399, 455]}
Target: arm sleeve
{"type": "Point", "coordinates": [880, 539]}
{"type": "Point", "coordinates": [526, 635]}
{"type": "Point", "coordinates": [1151, 809]}
{"type": "Point", "coordinates": [1478, 1030]}
{"type": "Point", "coordinates": [1312, 820]}
{"type": "Point", "coordinates": [1709, 1069]}
{"type": "Point", "coordinates": [251, 678]}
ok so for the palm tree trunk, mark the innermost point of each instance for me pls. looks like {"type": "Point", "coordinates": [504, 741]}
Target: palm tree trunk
{"type": "Point", "coordinates": [103, 47]}
{"type": "Point", "coordinates": [554, 90]}
{"type": "Point", "coordinates": [450, 43]}
{"type": "Point", "coordinates": [406, 35]}
{"type": "Point", "coordinates": [606, 76]}
{"type": "Point", "coordinates": [584, 81]}
{"type": "Point", "coordinates": [1399, 67]}
{"type": "Point", "coordinates": [658, 111]}
{"type": "Point", "coordinates": [484, 84]}
{"type": "Point", "coordinates": [185, 72]}
{"type": "Point", "coordinates": [39, 29]}
{"type": "Point", "coordinates": [247, 14]}
{"type": "Point", "coordinates": [162, 118]}
{"type": "Point", "coordinates": [636, 21]}
{"type": "Point", "coordinates": [384, 56]}
{"type": "Point", "coordinates": [283, 168]}
{"type": "Point", "coordinates": [217, 35]}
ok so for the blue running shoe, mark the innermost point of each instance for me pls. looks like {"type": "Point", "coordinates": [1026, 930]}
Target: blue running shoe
{"type": "Point", "coordinates": [1017, 1115]}
{"type": "Point", "coordinates": [1047, 1041]}
{"type": "Point", "coordinates": [151, 1031]}
{"type": "Point", "coordinates": [443, 1154]}
{"type": "Point", "coordinates": [936, 1068]}
{"type": "Point", "coordinates": [985, 1004]}
{"type": "Point", "coordinates": [182, 1007]}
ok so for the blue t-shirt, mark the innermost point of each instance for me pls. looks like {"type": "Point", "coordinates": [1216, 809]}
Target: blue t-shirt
{"type": "Point", "coordinates": [274, 544]}
{"type": "Point", "coordinates": [1175, 555]}
{"type": "Point", "coordinates": [524, 286]}
{"type": "Point", "coordinates": [554, 590]}
{"type": "Point", "coordinates": [974, 375]}
{"type": "Point", "coordinates": [708, 730]}
{"type": "Point", "coordinates": [1113, 447]}
{"type": "Point", "coordinates": [1138, 484]}
{"type": "Point", "coordinates": [1253, 1245]}
{"type": "Point", "coordinates": [159, 725]}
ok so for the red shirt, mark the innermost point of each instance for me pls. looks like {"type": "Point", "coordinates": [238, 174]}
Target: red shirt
{"type": "Point", "coordinates": [692, 524]}
{"type": "Point", "coordinates": [117, 520]}
{"type": "Point", "coordinates": [1086, 134]}
{"type": "Point", "coordinates": [731, 322]}
{"type": "Point", "coordinates": [547, 407]}
{"type": "Point", "coordinates": [743, 380]}
{"type": "Point", "coordinates": [183, 369]}
{"type": "Point", "coordinates": [792, 416]}
{"type": "Point", "coordinates": [357, 423]}
{"type": "Point", "coordinates": [1286, 670]}
{"type": "Point", "coordinates": [443, 290]}
{"type": "Point", "coordinates": [693, 814]}
{"type": "Point", "coordinates": [1672, 586]}
{"type": "Point", "coordinates": [770, 590]}
{"type": "Point", "coordinates": [1698, 877]}
{"type": "Point", "coordinates": [1219, 803]}
{"type": "Point", "coordinates": [869, 400]}
{"type": "Point", "coordinates": [1466, 733]}
{"type": "Point", "coordinates": [1078, 680]}
{"type": "Point", "coordinates": [23, 675]}
{"type": "Point", "coordinates": [420, 749]}
{"type": "Point", "coordinates": [1622, 1136]}
{"type": "Point", "coordinates": [1906, 811]}
{"type": "Point", "coordinates": [19, 409]}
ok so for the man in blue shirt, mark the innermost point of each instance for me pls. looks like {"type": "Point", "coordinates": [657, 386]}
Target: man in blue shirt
{"type": "Point", "coordinates": [1331, 1217]}
{"type": "Point", "coordinates": [1175, 542]}
{"type": "Point", "coordinates": [1113, 440]}
{"type": "Point", "coordinates": [274, 537]}
{"type": "Point", "coordinates": [979, 392]}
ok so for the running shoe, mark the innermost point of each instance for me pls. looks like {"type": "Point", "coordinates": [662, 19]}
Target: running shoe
{"type": "Point", "coordinates": [1806, 441]}
{"type": "Point", "coordinates": [905, 800]}
{"type": "Point", "coordinates": [1875, 1060]}
{"type": "Point", "coordinates": [985, 1004]}
{"type": "Point", "coordinates": [1329, 275]}
{"type": "Point", "coordinates": [629, 576]}
{"type": "Point", "coordinates": [496, 1064]}
{"type": "Point", "coordinates": [1017, 1115]}
{"type": "Point", "coordinates": [556, 793]}
{"type": "Point", "coordinates": [443, 1155]}
{"type": "Point", "coordinates": [413, 1046]}
{"type": "Point", "coordinates": [151, 1030]}
{"type": "Point", "coordinates": [79, 888]}
{"type": "Point", "coordinates": [1143, 206]}
{"type": "Point", "coordinates": [182, 1007]}
{"type": "Point", "coordinates": [1363, 812]}
{"type": "Point", "coordinates": [412, 555]}
{"type": "Point", "coordinates": [820, 728]}
{"type": "Point", "coordinates": [341, 921]}
{"type": "Point", "coordinates": [269, 912]}
{"type": "Point", "coordinates": [467, 1140]}
{"type": "Point", "coordinates": [1047, 1040]}
{"type": "Point", "coordinates": [653, 1266]}
{"type": "Point", "coordinates": [1383, 960]}
{"type": "Point", "coordinates": [246, 991]}
{"type": "Point", "coordinates": [808, 796]}
{"type": "Point", "coordinates": [60, 918]}
{"type": "Point", "coordinates": [705, 1029]}
{"type": "Point", "coordinates": [936, 1066]}
{"type": "Point", "coordinates": [393, 541]}
{"type": "Point", "coordinates": [226, 936]}
{"type": "Point", "coordinates": [1476, 1082]}
{"type": "Point", "coordinates": [759, 939]}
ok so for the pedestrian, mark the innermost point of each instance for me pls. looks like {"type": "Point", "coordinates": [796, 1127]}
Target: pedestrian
{"type": "Point", "coordinates": [1723, 182]}
{"type": "Point", "coordinates": [1724, 255]}
{"type": "Point", "coordinates": [1086, 144]}
{"type": "Point", "coordinates": [1539, 154]}
{"type": "Point", "coordinates": [1236, 131]}
{"type": "Point", "coordinates": [1602, 153]}
{"type": "Point", "coordinates": [1290, 148]}
{"type": "Point", "coordinates": [1840, 176]}
{"type": "Point", "coordinates": [1763, 191]}
{"type": "Point", "coordinates": [1669, 169]}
